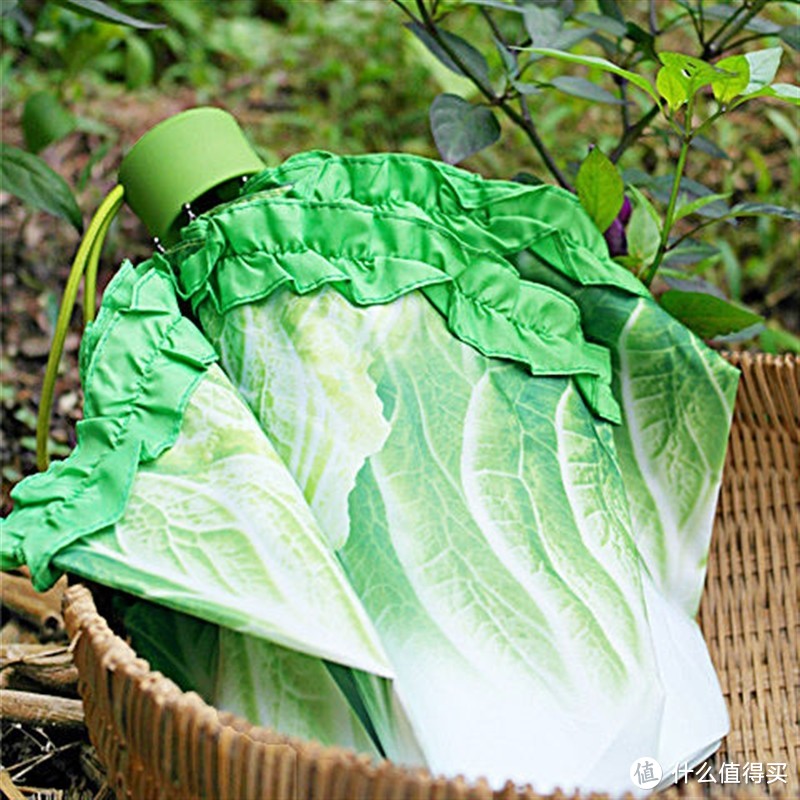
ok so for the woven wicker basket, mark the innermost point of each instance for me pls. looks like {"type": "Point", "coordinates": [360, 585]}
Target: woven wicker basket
{"type": "Point", "coordinates": [159, 742]}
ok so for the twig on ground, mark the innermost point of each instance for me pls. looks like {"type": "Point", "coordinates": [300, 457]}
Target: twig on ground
{"type": "Point", "coordinates": [23, 767]}
{"type": "Point", "coordinates": [41, 609]}
{"type": "Point", "coordinates": [29, 708]}
{"type": "Point", "coordinates": [38, 667]}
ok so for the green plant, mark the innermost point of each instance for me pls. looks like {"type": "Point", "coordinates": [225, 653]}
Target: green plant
{"type": "Point", "coordinates": [684, 98]}
{"type": "Point", "coordinates": [45, 118]}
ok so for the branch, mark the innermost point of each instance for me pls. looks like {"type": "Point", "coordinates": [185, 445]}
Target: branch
{"type": "Point", "coordinates": [695, 24]}
{"type": "Point", "coordinates": [29, 708]}
{"type": "Point", "coordinates": [701, 34]}
{"type": "Point", "coordinates": [692, 231]}
{"type": "Point", "coordinates": [527, 124]}
{"type": "Point", "coordinates": [745, 40]}
{"type": "Point", "coordinates": [404, 9]}
{"type": "Point", "coordinates": [713, 47]}
{"type": "Point", "coordinates": [633, 133]}
{"type": "Point", "coordinates": [652, 19]}
{"type": "Point", "coordinates": [623, 95]}
{"type": "Point", "coordinates": [493, 25]}
{"type": "Point", "coordinates": [47, 670]}
{"type": "Point", "coordinates": [41, 609]}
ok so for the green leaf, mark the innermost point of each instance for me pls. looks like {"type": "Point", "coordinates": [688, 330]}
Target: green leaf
{"type": "Point", "coordinates": [778, 340]}
{"type": "Point", "coordinates": [546, 28]}
{"type": "Point", "coordinates": [743, 335]}
{"type": "Point", "coordinates": [460, 128]}
{"type": "Point", "coordinates": [599, 63]}
{"type": "Point", "coordinates": [692, 207]}
{"type": "Point", "coordinates": [542, 24]}
{"type": "Point", "coordinates": [676, 279]}
{"type": "Point", "coordinates": [600, 188]}
{"type": "Point", "coordinates": [763, 68]}
{"type": "Point", "coordinates": [569, 37]}
{"type": "Point", "coordinates": [507, 57]}
{"type": "Point", "coordinates": [735, 80]}
{"type": "Point", "coordinates": [501, 5]}
{"type": "Point", "coordinates": [28, 177]}
{"type": "Point", "coordinates": [610, 8]}
{"type": "Point", "coordinates": [763, 209]}
{"type": "Point", "coordinates": [44, 121]}
{"type": "Point", "coordinates": [689, 252]}
{"type": "Point", "coordinates": [786, 126]}
{"type": "Point", "coordinates": [692, 72]}
{"type": "Point", "coordinates": [661, 189]}
{"type": "Point", "coordinates": [705, 145]}
{"type": "Point", "coordinates": [644, 40]}
{"type": "Point", "coordinates": [580, 87]}
{"type": "Point", "coordinates": [104, 12]}
{"type": "Point", "coordinates": [139, 63]}
{"type": "Point", "coordinates": [672, 87]}
{"type": "Point", "coordinates": [731, 267]}
{"type": "Point", "coordinates": [785, 91]}
{"type": "Point", "coordinates": [527, 88]}
{"type": "Point", "coordinates": [791, 35]}
{"type": "Point", "coordinates": [601, 22]}
{"type": "Point", "coordinates": [706, 315]}
{"type": "Point", "coordinates": [473, 60]}
{"type": "Point", "coordinates": [644, 229]}
{"type": "Point", "coordinates": [642, 200]}
{"type": "Point", "coordinates": [528, 179]}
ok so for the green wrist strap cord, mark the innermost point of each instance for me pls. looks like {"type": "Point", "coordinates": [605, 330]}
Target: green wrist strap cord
{"type": "Point", "coordinates": [86, 261]}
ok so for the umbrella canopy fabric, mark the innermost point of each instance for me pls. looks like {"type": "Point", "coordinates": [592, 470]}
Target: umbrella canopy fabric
{"type": "Point", "coordinates": [360, 305]}
{"type": "Point", "coordinates": [664, 377]}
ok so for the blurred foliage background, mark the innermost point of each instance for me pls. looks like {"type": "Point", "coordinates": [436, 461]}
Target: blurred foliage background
{"type": "Point", "coordinates": [341, 75]}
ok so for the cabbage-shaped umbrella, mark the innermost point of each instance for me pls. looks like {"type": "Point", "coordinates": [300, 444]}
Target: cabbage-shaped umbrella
{"type": "Point", "coordinates": [456, 493]}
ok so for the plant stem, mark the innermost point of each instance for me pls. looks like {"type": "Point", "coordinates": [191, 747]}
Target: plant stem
{"type": "Point", "coordinates": [525, 121]}
{"type": "Point", "coordinates": [632, 133]}
{"type": "Point", "coordinates": [652, 19]}
{"type": "Point", "coordinates": [692, 232]}
{"type": "Point", "coordinates": [624, 112]}
{"type": "Point", "coordinates": [745, 39]}
{"type": "Point", "coordinates": [702, 31]}
{"type": "Point", "coordinates": [403, 8]}
{"type": "Point", "coordinates": [713, 46]}
{"type": "Point", "coordinates": [669, 219]}
{"type": "Point", "coordinates": [695, 24]}
{"type": "Point", "coordinates": [498, 34]}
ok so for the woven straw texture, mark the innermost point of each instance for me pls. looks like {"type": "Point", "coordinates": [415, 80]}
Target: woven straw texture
{"type": "Point", "coordinates": [159, 742]}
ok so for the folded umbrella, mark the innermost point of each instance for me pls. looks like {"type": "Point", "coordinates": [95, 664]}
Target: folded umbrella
{"type": "Point", "coordinates": [478, 448]}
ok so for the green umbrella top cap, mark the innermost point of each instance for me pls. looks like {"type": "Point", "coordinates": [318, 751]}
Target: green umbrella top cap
{"type": "Point", "coordinates": [181, 159]}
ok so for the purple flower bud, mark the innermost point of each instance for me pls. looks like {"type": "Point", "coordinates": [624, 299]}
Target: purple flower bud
{"type": "Point", "coordinates": [616, 239]}
{"type": "Point", "coordinates": [625, 212]}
